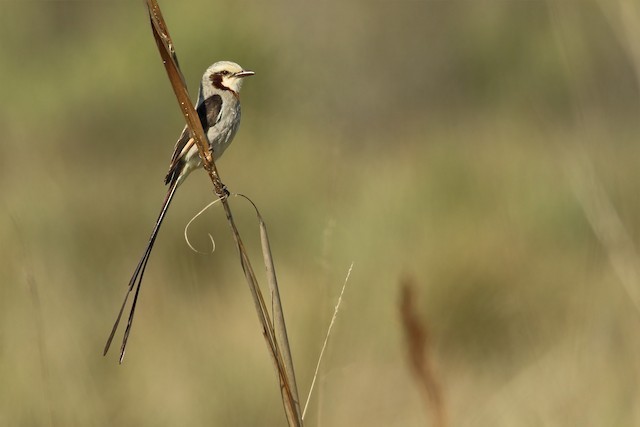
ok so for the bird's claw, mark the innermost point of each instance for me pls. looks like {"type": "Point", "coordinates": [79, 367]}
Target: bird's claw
{"type": "Point", "coordinates": [221, 190]}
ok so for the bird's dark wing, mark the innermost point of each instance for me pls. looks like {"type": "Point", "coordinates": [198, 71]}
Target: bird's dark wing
{"type": "Point", "coordinates": [209, 111]}
{"type": "Point", "coordinates": [184, 140]}
{"type": "Point", "coordinates": [209, 114]}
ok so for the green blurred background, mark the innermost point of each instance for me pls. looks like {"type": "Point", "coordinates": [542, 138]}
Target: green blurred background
{"type": "Point", "coordinates": [487, 150]}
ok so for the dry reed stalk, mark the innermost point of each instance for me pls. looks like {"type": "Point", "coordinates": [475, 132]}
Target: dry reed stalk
{"type": "Point", "coordinates": [274, 332]}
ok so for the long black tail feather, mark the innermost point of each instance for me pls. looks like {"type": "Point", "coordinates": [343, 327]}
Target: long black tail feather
{"type": "Point", "coordinates": [136, 279]}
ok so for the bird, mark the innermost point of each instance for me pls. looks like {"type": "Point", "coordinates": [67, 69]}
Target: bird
{"type": "Point", "coordinates": [218, 108]}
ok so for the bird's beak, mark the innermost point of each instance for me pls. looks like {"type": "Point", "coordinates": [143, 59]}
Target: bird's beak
{"type": "Point", "coordinates": [245, 73]}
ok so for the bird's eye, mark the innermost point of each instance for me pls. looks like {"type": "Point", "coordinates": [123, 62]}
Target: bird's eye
{"type": "Point", "coordinates": [224, 72]}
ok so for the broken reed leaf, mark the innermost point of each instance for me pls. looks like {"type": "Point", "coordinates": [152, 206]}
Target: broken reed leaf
{"type": "Point", "coordinates": [279, 324]}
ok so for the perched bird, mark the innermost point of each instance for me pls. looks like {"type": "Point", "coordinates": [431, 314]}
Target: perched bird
{"type": "Point", "coordinates": [218, 108]}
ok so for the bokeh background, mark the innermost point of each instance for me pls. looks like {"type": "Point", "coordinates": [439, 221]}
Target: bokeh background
{"type": "Point", "coordinates": [485, 151]}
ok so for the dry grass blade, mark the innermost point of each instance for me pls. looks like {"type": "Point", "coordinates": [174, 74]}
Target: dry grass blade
{"type": "Point", "coordinates": [418, 349]}
{"type": "Point", "coordinates": [624, 16]}
{"type": "Point", "coordinates": [283, 364]}
{"type": "Point", "coordinates": [326, 340]}
{"type": "Point", "coordinates": [596, 203]}
{"type": "Point", "coordinates": [607, 227]}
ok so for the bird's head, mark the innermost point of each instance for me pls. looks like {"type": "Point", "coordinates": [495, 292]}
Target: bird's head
{"type": "Point", "coordinates": [224, 76]}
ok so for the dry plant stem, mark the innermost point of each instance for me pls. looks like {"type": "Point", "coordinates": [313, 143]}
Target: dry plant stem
{"type": "Point", "coordinates": [169, 58]}
{"type": "Point", "coordinates": [419, 352]}
{"type": "Point", "coordinates": [287, 385]}
{"type": "Point", "coordinates": [279, 328]}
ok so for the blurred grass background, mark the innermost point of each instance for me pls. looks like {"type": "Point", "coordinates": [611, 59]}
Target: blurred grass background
{"type": "Point", "coordinates": [487, 149]}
